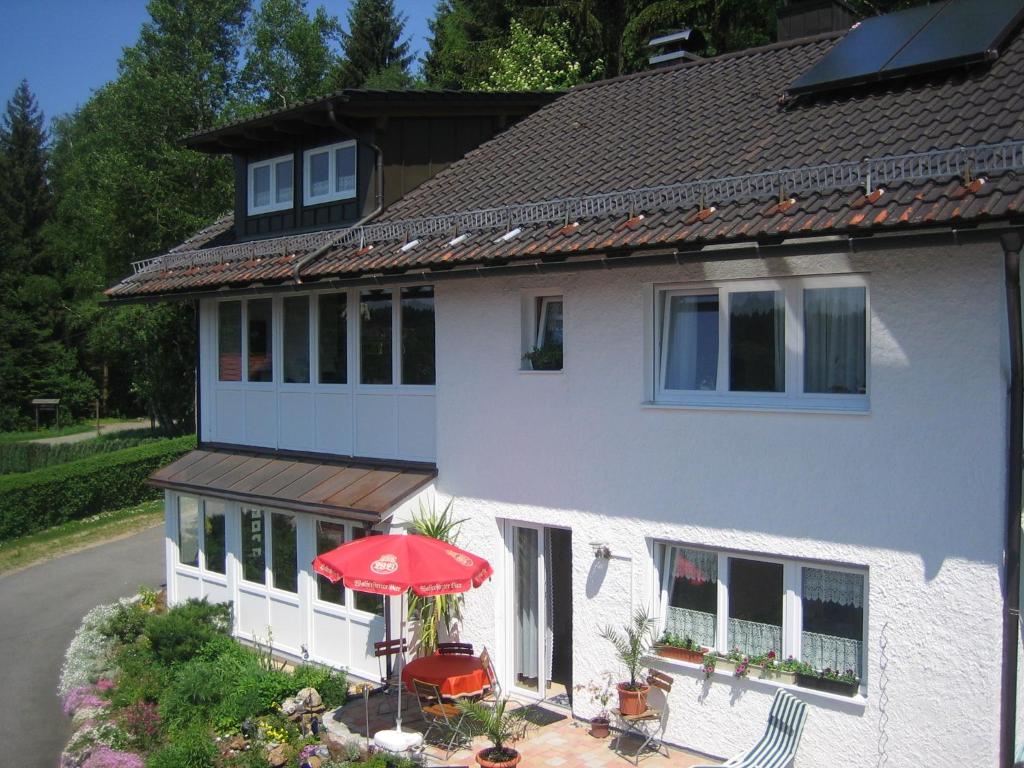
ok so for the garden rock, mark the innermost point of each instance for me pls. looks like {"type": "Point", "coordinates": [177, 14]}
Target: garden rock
{"type": "Point", "coordinates": [290, 706]}
{"type": "Point", "coordinates": [277, 756]}
{"type": "Point", "coordinates": [309, 699]}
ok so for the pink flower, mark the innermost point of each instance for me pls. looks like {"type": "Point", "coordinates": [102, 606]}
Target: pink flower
{"type": "Point", "coordinates": [81, 697]}
{"type": "Point", "coordinates": [104, 684]}
{"type": "Point", "coordinates": [104, 757]}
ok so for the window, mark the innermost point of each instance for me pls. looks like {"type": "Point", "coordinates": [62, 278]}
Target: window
{"type": "Point", "coordinates": [329, 536]}
{"type": "Point", "coordinates": [188, 531]}
{"type": "Point", "coordinates": [799, 343]}
{"type": "Point", "coordinates": [544, 334]}
{"type": "Point", "coordinates": [812, 612]}
{"type": "Point", "coordinates": [214, 547]}
{"type": "Point", "coordinates": [690, 586]}
{"type": "Point", "coordinates": [834, 332]}
{"type": "Point", "coordinates": [418, 335]}
{"type": "Point", "coordinates": [254, 562]}
{"type": "Point", "coordinates": [229, 341]}
{"type": "Point", "coordinates": [365, 601]}
{"type": "Point", "coordinates": [330, 173]}
{"type": "Point", "coordinates": [261, 359]}
{"type": "Point", "coordinates": [296, 339]}
{"type": "Point", "coordinates": [271, 185]}
{"type": "Point", "coordinates": [333, 338]}
{"type": "Point", "coordinates": [375, 337]}
{"type": "Point", "coordinates": [283, 557]}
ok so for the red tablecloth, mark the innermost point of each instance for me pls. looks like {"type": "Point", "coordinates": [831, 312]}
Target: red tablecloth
{"type": "Point", "coordinates": [454, 675]}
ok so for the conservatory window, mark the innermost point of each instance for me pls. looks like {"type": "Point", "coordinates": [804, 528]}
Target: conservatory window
{"type": "Point", "coordinates": [755, 606]}
{"type": "Point", "coordinates": [296, 339]}
{"type": "Point", "coordinates": [188, 531]}
{"type": "Point", "coordinates": [375, 330]}
{"type": "Point", "coordinates": [833, 620]}
{"type": "Point", "coordinates": [365, 601]}
{"type": "Point", "coordinates": [254, 562]}
{"type": "Point", "coordinates": [214, 546]}
{"type": "Point", "coordinates": [691, 593]}
{"type": "Point", "coordinates": [283, 553]}
{"type": "Point", "coordinates": [260, 337]}
{"type": "Point", "coordinates": [330, 173]}
{"type": "Point", "coordinates": [418, 335]}
{"type": "Point", "coordinates": [271, 185]}
{"type": "Point", "coordinates": [329, 536]}
{"type": "Point", "coordinates": [229, 341]}
{"type": "Point", "coordinates": [333, 338]}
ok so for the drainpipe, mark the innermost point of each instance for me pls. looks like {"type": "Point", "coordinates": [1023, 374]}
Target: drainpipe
{"type": "Point", "coordinates": [379, 164]}
{"type": "Point", "coordinates": [1011, 243]}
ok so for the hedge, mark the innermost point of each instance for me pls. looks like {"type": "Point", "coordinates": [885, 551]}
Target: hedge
{"type": "Point", "coordinates": [31, 501]}
{"type": "Point", "coordinates": [28, 457]}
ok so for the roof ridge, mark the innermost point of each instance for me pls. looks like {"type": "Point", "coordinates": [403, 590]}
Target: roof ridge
{"type": "Point", "coordinates": [653, 72]}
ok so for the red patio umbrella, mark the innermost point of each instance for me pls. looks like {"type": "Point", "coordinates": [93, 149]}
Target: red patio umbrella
{"type": "Point", "coordinates": [393, 564]}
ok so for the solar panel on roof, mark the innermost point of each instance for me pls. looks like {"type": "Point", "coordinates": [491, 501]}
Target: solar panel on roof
{"type": "Point", "coordinates": [921, 38]}
{"type": "Point", "coordinates": [961, 32]}
{"type": "Point", "coordinates": [864, 50]}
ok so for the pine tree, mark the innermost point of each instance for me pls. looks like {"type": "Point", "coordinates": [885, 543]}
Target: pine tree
{"type": "Point", "coordinates": [26, 197]}
{"type": "Point", "coordinates": [375, 53]}
{"type": "Point", "coordinates": [291, 56]}
{"type": "Point", "coordinates": [465, 35]}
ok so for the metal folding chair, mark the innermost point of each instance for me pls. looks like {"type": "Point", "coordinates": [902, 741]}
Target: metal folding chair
{"type": "Point", "coordinates": [455, 649]}
{"type": "Point", "coordinates": [440, 716]}
{"type": "Point", "coordinates": [649, 726]}
{"type": "Point", "coordinates": [390, 674]}
{"type": "Point", "coordinates": [493, 692]}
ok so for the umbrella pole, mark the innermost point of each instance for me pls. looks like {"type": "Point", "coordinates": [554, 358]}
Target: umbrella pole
{"type": "Point", "coordinates": [401, 657]}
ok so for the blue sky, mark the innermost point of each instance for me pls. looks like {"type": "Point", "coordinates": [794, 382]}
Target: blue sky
{"type": "Point", "coordinates": [68, 48]}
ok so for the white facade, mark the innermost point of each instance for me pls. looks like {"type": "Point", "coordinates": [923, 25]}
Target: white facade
{"type": "Point", "coordinates": [903, 484]}
{"type": "Point", "coordinates": [908, 489]}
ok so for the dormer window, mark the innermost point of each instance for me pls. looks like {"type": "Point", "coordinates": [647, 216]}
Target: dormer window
{"type": "Point", "coordinates": [330, 173]}
{"type": "Point", "coordinates": [271, 185]}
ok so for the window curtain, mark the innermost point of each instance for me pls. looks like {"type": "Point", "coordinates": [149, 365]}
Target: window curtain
{"type": "Point", "coordinates": [834, 340]}
{"type": "Point", "coordinates": [838, 653]}
{"type": "Point", "coordinates": [692, 343]}
{"type": "Point", "coordinates": [834, 587]}
{"type": "Point", "coordinates": [753, 637]}
{"type": "Point", "coordinates": [697, 625]}
{"type": "Point", "coordinates": [526, 603]}
{"type": "Point", "coordinates": [695, 565]}
{"type": "Point", "coordinates": [549, 635]}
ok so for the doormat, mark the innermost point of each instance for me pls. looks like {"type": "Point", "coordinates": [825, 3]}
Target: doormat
{"type": "Point", "coordinates": [537, 715]}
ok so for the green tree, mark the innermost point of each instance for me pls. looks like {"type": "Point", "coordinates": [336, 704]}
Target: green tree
{"type": "Point", "coordinates": [534, 61]}
{"type": "Point", "coordinates": [373, 45]}
{"type": "Point", "coordinates": [290, 56]}
{"type": "Point", "coordinates": [464, 36]}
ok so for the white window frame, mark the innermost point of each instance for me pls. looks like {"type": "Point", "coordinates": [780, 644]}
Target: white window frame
{"type": "Point", "coordinates": [200, 568]}
{"type": "Point", "coordinates": [545, 303]}
{"type": "Point", "coordinates": [534, 306]}
{"type": "Point", "coordinates": [792, 397]}
{"type": "Point", "coordinates": [268, 554]}
{"type": "Point", "coordinates": [273, 164]}
{"type": "Point", "coordinates": [792, 602]}
{"type": "Point", "coordinates": [332, 174]}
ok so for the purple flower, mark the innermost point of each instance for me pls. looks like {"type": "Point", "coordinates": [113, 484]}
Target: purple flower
{"type": "Point", "coordinates": [105, 757]}
{"type": "Point", "coordinates": [81, 697]}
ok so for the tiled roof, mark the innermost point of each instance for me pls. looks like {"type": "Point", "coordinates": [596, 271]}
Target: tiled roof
{"type": "Point", "coordinates": [704, 120]}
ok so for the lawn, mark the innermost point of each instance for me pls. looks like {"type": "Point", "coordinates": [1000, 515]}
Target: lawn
{"type": "Point", "coordinates": [36, 434]}
{"type": "Point", "coordinates": [78, 534]}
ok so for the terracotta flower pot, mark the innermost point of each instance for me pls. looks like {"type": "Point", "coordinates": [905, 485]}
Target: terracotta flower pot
{"type": "Point", "coordinates": [484, 762]}
{"type": "Point", "coordinates": [633, 702]}
{"type": "Point", "coordinates": [599, 728]}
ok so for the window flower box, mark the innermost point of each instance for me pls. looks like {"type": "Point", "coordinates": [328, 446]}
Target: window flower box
{"type": "Point", "coordinates": [777, 675]}
{"type": "Point", "coordinates": [839, 687]}
{"type": "Point", "coordinates": [694, 656]}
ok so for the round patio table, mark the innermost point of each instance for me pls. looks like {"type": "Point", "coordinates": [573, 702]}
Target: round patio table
{"type": "Point", "coordinates": [454, 675]}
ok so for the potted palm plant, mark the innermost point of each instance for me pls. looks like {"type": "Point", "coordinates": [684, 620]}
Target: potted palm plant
{"type": "Point", "coordinates": [501, 726]}
{"type": "Point", "coordinates": [434, 616]}
{"type": "Point", "coordinates": [631, 643]}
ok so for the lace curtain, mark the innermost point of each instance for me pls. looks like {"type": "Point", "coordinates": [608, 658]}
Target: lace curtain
{"type": "Point", "coordinates": [753, 637]}
{"type": "Point", "coordinates": [838, 653]}
{"type": "Point", "coordinates": [697, 625]}
{"type": "Point", "coordinates": [834, 587]}
{"type": "Point", "coordinates": [696, 565]}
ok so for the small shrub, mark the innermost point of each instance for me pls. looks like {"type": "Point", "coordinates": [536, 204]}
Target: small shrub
{"type": "Point", "coordinates": [331, 684]}
{"type": "Point", "coordinates": [127, 622]}
{"type": "Point", "coordinates": [141, 677]}
{"type": "Point", "coordinates": [254, 693]}
{"type": "Point", "coordinates": [141, 721]}
{"type": "Point", "coordinates": [191, 749]}
{"type": "Point", "coordinates": [181, 633]}
{"type": "Point", "coordinates": [195, 691]}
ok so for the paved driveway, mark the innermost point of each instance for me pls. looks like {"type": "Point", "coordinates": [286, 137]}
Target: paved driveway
{"type": "Point", "coordinates": [40, 608]}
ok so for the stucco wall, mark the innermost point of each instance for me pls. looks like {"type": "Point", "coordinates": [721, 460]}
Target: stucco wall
{"type": "Point", "coordinates": [913, 490]}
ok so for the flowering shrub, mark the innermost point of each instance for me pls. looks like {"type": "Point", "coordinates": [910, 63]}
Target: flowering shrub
{"type": "Point", "coordinates": [141, 721]}
{"type": "Point", "coordinates": [104, 757]}
{"type": "Point", "coordinates": [97, 735]}
{"type": "Point", "coordinates": [89, 655]}
{"type": "Point", "coordinates": [83, 696]}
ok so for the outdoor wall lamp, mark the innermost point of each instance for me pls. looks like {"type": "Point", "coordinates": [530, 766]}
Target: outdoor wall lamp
{"type": "Point", "coordinates": [601, 550]}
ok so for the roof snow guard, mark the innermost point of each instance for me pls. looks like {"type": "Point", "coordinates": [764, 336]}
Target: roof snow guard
{"type": "Point", "coordinates": [965, 162]}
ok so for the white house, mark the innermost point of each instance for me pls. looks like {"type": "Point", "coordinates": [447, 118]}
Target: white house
{"type": "Point", "coordinates": [671, 341]}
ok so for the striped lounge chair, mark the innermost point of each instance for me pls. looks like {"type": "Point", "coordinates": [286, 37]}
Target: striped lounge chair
{"type": "Point", "coordinates": [777, 746]}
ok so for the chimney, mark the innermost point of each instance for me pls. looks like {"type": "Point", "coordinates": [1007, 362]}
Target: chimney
{"type": "Point", "coordinates": [675, 46]}
{"type": "Point", "coordinates": [801, 18]}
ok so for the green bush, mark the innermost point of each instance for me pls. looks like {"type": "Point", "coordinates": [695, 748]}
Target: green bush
{"type": "Point", "coordinates": [27, 457]}
{"type": "Point", "coordinates": [142, 677]}
{"type": "Point", "coordinates": [193, 695]}
{"type": "Point", "coordinates": [180, 634]}
{"type": "Point", "coordinates": [193, 748]}
{"type": "Point", "coordinates": [331, 684]}
{"type": "Point", "coordinates": [31, 501]}
{"type": "Point", "coordinates": [127, 623]}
